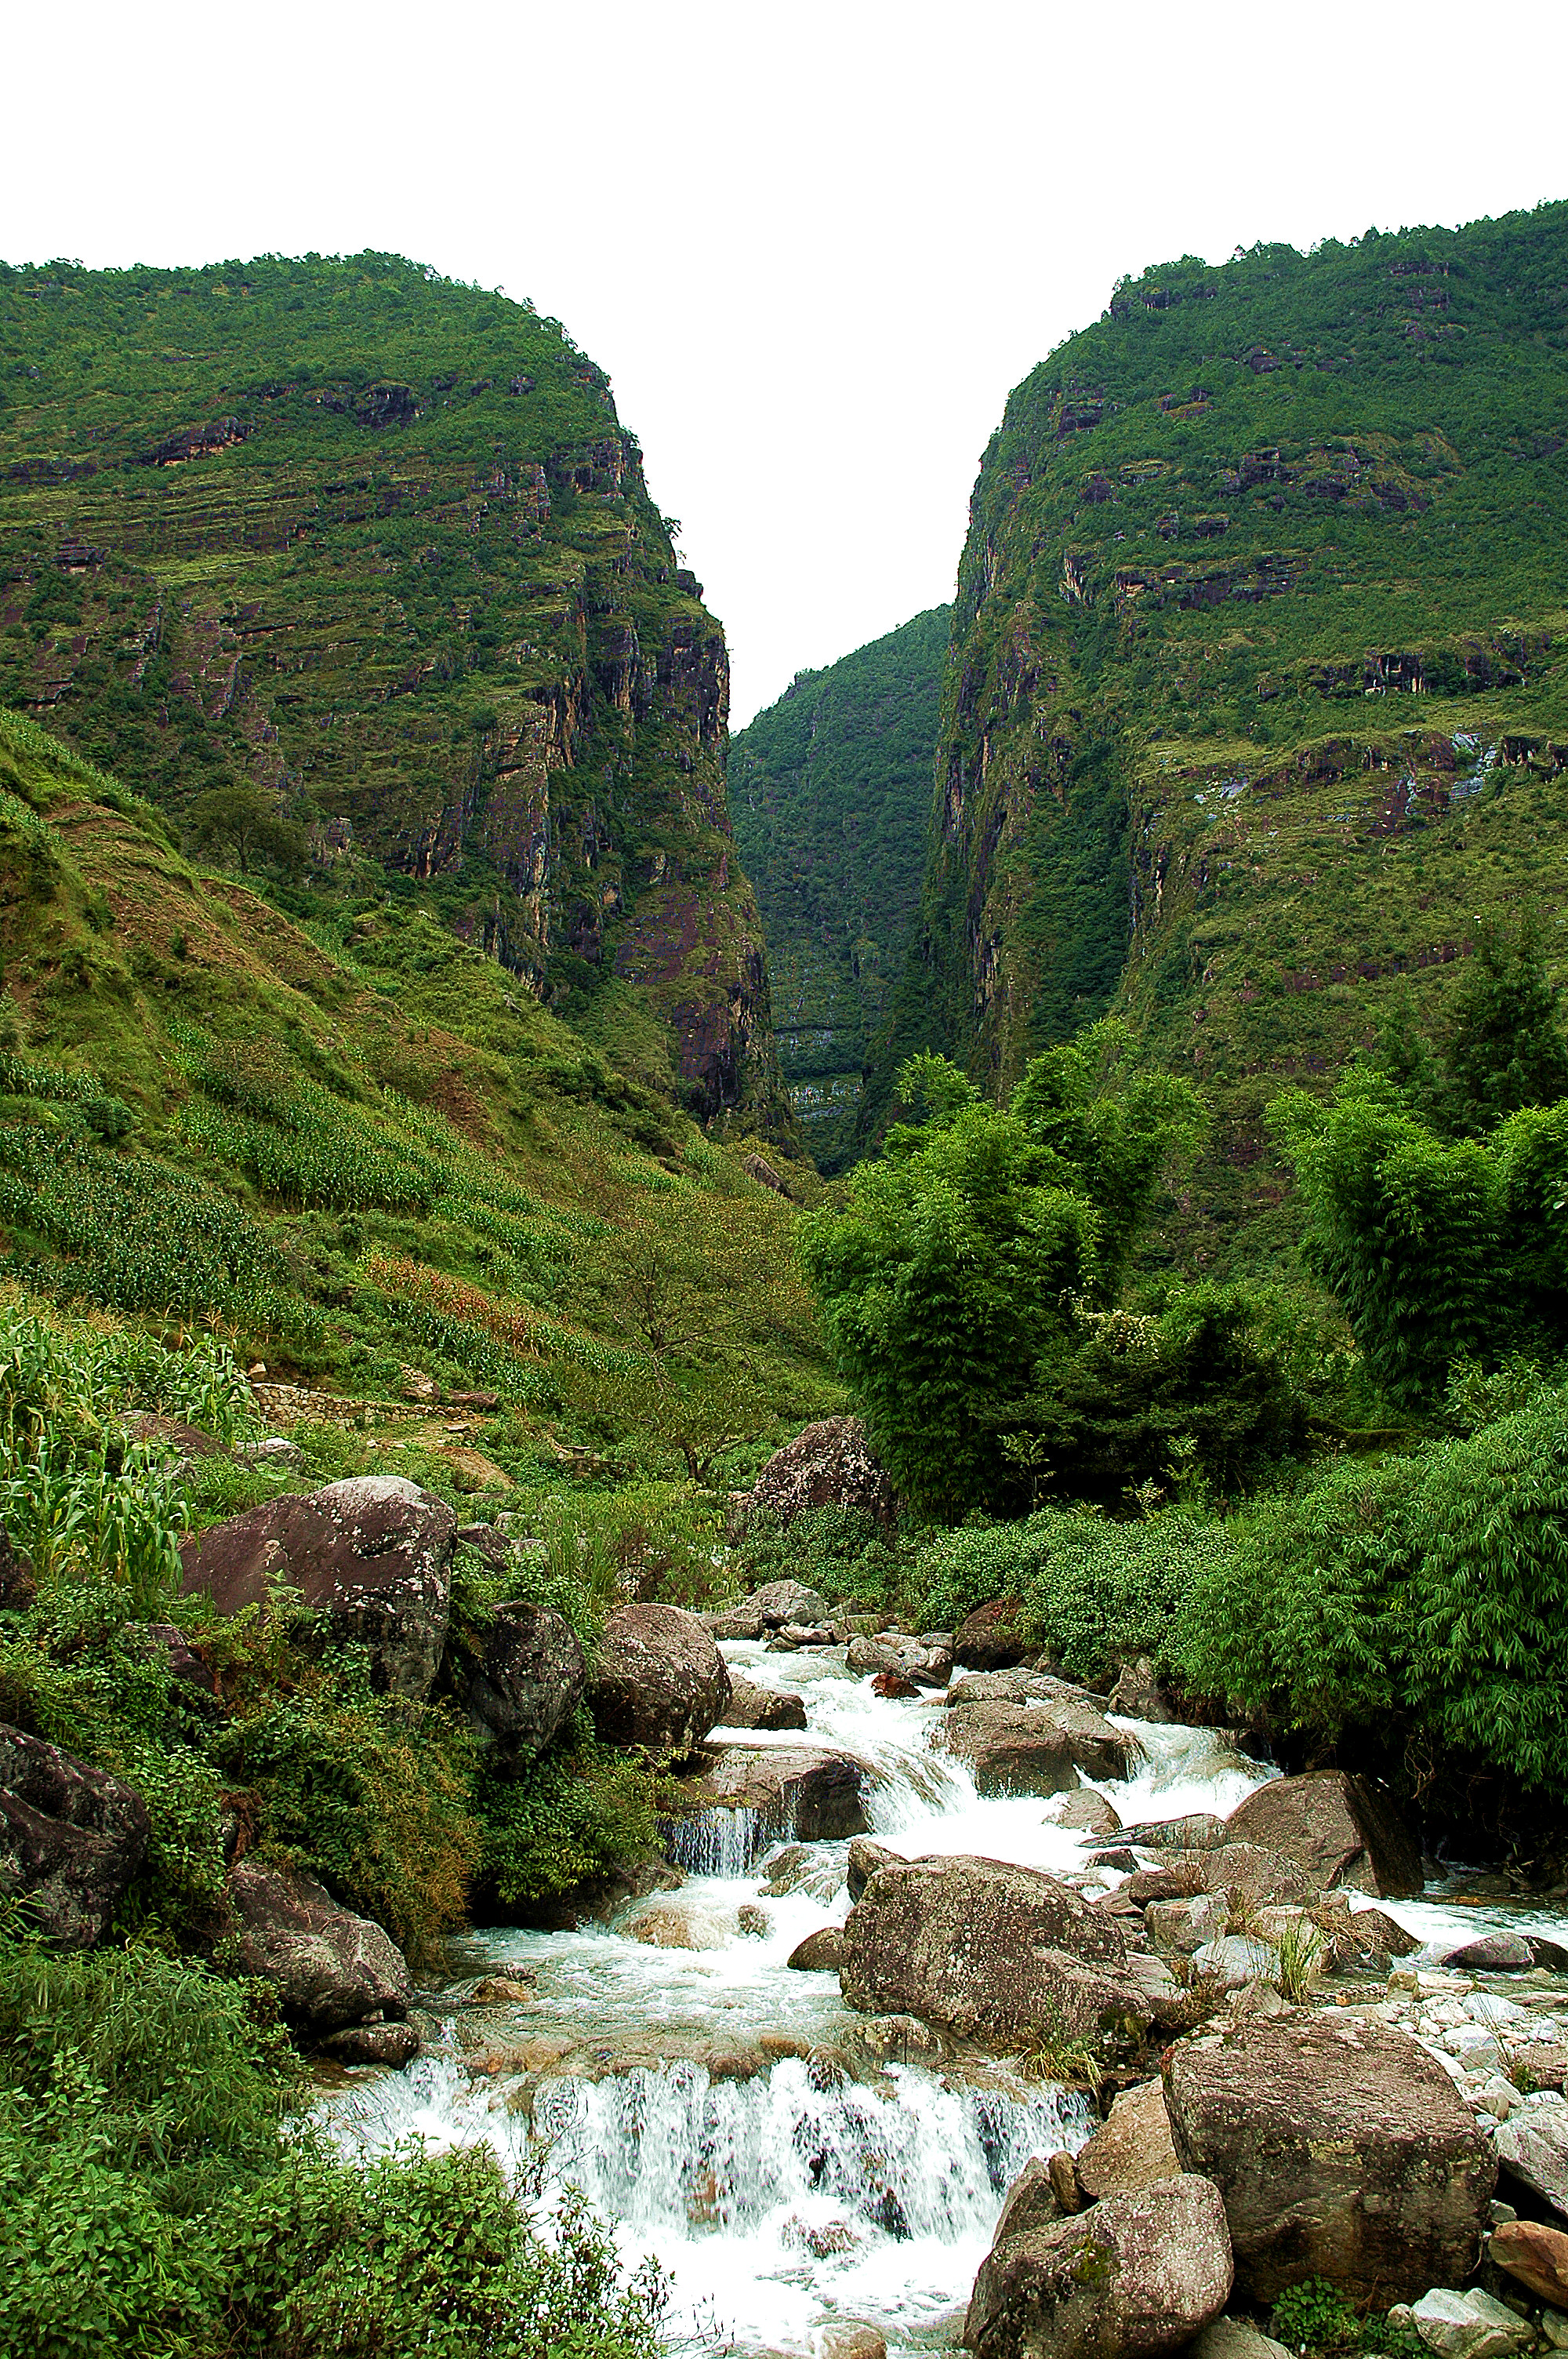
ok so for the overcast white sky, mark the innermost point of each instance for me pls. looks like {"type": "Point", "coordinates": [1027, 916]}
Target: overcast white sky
{"type": "Point", "coordinates": [813, 244]}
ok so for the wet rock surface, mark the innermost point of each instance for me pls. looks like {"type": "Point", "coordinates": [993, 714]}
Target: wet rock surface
{"type": "Point", "coordinates": [1036, 1749]}
{"type": "Point", "coordinates": [751, 1706]}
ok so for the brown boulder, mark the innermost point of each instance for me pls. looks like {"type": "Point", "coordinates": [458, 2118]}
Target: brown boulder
{"type": "Point", "coordinates": [1137, 1694]}
{"type": "Point", "coordinates": [1131, 2147]}
{"type": "Point", "coordinates": [820, 1952]}
{"type": "Point", "coordinates": [829, 1464]}
{"type": "Point", "coordinates": [751, 1706]}
{"type": "Point", "coordinates": [1258, 1879]}
{"type": "Point", "coordinates": [1031, 2201]}
{"type": "Point", "coordinates": [329, 1967]}
{"type": "Point", "coordinates": [991, 1638]}
{"type": "Point", "coordinates": [1340, 1831]}
{"type": "Point", "coordinates": [1087, 1813]}
{"type": "Point", "coordinates": [865, 1859]}
{"type": "Point", "coordinates": [71, 1838]}
{"type": "Point", "coordinates": [661, 1681]}
{"type": "Point", "coordinates": [809, 1792]}
{"type": "Point", "coordinates": [1018, 1685]}
{"type": "Point", "coordinates": [908, 1658]}
{"type": "Point", "coordinates": [1341, 2149]}
{"type": "Point", "coordinates": [1536, 2255]}
{"type": "Point", "coordinates": [1004, 1955]}
{"type": "Point", "coordinates": [1134, 2276]}
{"type": "Point", "coordinates": [393, 2044]}
{"type": "Point", "coordinates": [372, 1555]}
{"type": "Point", "coordinates": [519, 1680]}
{"type": "Point", "coordinates": [1036, 1748]}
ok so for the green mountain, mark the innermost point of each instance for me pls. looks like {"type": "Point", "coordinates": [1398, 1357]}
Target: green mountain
{"type": "Point", "coordinates": [830, 788]}
{"type": "Point", "coordinates": [1257, 692]}
{"type": "Point", "coordinates": [376, 545]}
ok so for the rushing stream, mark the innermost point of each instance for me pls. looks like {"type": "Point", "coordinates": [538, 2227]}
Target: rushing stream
{"type": "Point", "coordinates": [793, 2198]}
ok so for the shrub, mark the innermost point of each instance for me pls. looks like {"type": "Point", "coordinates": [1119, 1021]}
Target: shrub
{"type": "Point", "coordinates": [578, 1812]}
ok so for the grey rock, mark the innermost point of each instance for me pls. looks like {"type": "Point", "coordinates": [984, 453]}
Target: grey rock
{"type": "Point", "coordinates": [1085, 1812]}
{"type": "Point", "coordinates": [329, 1967]}
{"type": "Point", "coordinates": [829, 1464]}
{"type": "Point", "coordinates": [1036, 1749]}
{"type": "Point", "coordinates": [1134, 2276]}
{"type": "Point", "coordinates": [71, 1838]}
{"type": "Point", "coordinates": [1340, 1831]}
{"type": "Point", "coordinates": [519, 1680]}
{"type": "Point", "coordinates": [660, 1682]}
{"type": "Point", "coordinates": [1468, 2325]}
{"type": "Point", "coordinates": [1532, 2147]}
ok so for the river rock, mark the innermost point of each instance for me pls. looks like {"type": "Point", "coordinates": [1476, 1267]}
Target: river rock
{"type": "Point", "coordinates": [991, 1638]}
{"type": "Point", "coordinates": [1257, 1878]}
{"type": "Point", "coordinates": [1087, 1813]}
{"type": "Point", "coordinates": [865, 1858]}
{"type": "Point", "coordinates": [372, 1554]}
{"type": "Point", "coordinates": [995, 1953]}
{"type": "Point", "coordinates": [1341, 2149]}
{"type": "Point", "coordinates": [751, 1706]}
{"type": "Point", "coordinates": [1237, 2338]}
{"type": "Point", "coordinates": [1032, 2201]}
{"type": "Point", "coordinates": [1235, 1961]}
{"type": "Point", "coordinates": [1137, 1694]}
{"type": "Point", "coordinates": [392, 2044]}
{"type": "Point", "coordinates": [1199, 1830]}
{"type": "Point", "coordinates": [1532, 2146]}
{"type": "Point", "coordinates": [843, 2339]}
{"type": "Point", "coordinates": [1468, 2325]}
{"type": "Point", "coordinates": [1036, 1748]}
{"type": "Point", "coordinates": [519, 1680]}
{"type": "Point", "coordinates": [1505, 1954]}
{"type": "Point", "coordinates": [820, 1952]}
{"type": "Point", "coordinates": [329, 1967]}
{"type": "Point", "coordinates": [71, 1838]}
{"type": "Point", "coordinates": [1133, 2276]}
{"type": "Point", "coordinates": [1536, 2255]}
{"type": "Point", "coordinates": [1017, 1686]}
{"type": "Point", "coordinates": [808, 1792]}
{"type": "Point", "coordinates": [1340, 1831]}
{"type": "Point", "coordinates": [770, 1608]}
{"type": "Point", "coordinates": [1131, 2147]}
{"type": "Point", "coordinates": [660, 1682]}
{"type": "Point", "coordinates": [829, 1464]}
{"type": "Point", "coordinates": [909, 1658]}
{"type": "Point", "coordinates": [681, 1925]}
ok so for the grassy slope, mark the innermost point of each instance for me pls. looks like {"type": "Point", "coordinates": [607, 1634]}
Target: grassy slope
{"type": "Point", "coordinates": [407, 577]}
{"type": "Point", "coordinates": [830, 788]}
{"type": "Point", "coordinates": [353, 1153]}
{"type": "Point", "coordinates": [1257, 693]}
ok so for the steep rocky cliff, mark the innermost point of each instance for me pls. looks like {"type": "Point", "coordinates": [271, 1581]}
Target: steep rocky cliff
{"type": "Point", "coordinates": [377, 544]}
{"type": "Point", "coordinates": [1258, 693]}
{"type": "Point", "coordinates": [830, 788]}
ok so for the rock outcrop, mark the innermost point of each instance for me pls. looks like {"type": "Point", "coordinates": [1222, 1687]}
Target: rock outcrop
{"type": "Point", "coordinates": [1134, 2276]}
{"type": "Point", "coordinates": [1341, 2150]}
{"type": "Point", "coordinates": [329, 1967]}
{"type": "Point", "coordinates": [372, 1555]}
{"type": "Point", "coordinates": [1006, 1956]}
{"type": "Point", "coordinates": [518, 1679]}
{"type": "Point", "coordinates": [661, 1681]}
{"type": "Point", "coordinates": [1340, 1831]}
{"type": "Point", "coordinates": [71, 1838]}
{"type": "Point", "coordinates": [829, 1464]}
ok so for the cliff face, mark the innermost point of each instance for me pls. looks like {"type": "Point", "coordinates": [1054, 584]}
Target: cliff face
{"type": "Point", "coordinates": [830, 788]}
{"type": "Point", "coordinates": [377, 544]}
{"type": "Point", "coordinates": [1257, 691]}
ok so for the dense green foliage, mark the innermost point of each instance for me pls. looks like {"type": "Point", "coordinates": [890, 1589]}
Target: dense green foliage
{"type": "Point", "coordinates": [1256, 698]}
{"type": "Point", "coordinates": [155, 2205]}
{"type": "Point", "coordinates": [352, 569]}
{"type": "Point", "coordinates": [830, 789]}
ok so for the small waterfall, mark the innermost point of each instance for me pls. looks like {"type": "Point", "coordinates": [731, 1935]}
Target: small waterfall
{"type": "Point", "coordinates": [719, 1842]}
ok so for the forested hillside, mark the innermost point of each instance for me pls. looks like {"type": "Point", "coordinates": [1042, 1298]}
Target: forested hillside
{"type": "Point", "coordinates": [1257, 699]}
{"type": "Point", "coordinates": [368, 554]}
{"type": "Point", "coordinates": [830, 791]}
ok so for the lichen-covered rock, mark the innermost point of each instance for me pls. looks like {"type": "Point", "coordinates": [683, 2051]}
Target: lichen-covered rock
{"type": "Point", "coordinates": [829, 1464]}
{"type": "Point", "coordinates": [661, 1681]}
{"type": "Point", "coordinates": [820, 1952]}
{"type": "Point", "coordinates": [1341, 2149]}
{"type": "Point", "coordinates": [372, 1555]}
{"type": "Point", "coordinates": [991, 1638]}
{"type": "Point", "coordinates": [519, 1680]}
{"type": "Point", "coordinates": [1340, 1831]}
{"type": "Point", "coordinates": [770, 1608]}
{"type": "Point", "coordinates": [71, 1838]}
{"type": "Point", "coordinates": [992, 1952]}
{"type": "Point", "coordinates": [1036, 1749]}
{"type": "Point", "coordinates": [1131, 2147]}
{"type": "Point", "coordinates": [811, 1793]}
{"type": "Point", "coordinates": [754, 1707]}
{"type": "Point", "coordinates": [329, 1967]}
{"type": "Point", "coordinates": [1133, 2276]}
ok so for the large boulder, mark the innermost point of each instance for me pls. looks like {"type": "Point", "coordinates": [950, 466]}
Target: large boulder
{"type": "Point", "coordinates": [991, 1638]}
{"type": "Point", "coordinates": [811, 1793]}
{"type": "Point", "coordinates": [770, 1608]}
{"type": "Point", "coordinates": [1533, 2146]}
{"type": "Point", "coordinates": [913, 1659]}
{"type": "Point", "coordinates": [1036, 1749]}
{"type": "Point", "coordinates": [1131, 2149]}
{"type": "Point", "coordinates": [518, 1679]}
{"type": "Point", "coordinates": [661, 1681]}
{"type": "Point", "coordinates": [1536, 2255]}
{"type": "Point", "coordinates": [372, 1555]}
{"type": "Point", "coordinates": [754, 1707]}
{"type": "Point", "coordinates": [829, 1464]}
{"type": "Point", "coordinates": [1003, 1955]}
{"type": "Point", "coordinates": [1340, 1830]}
{"type": "Point", "coordinates": [71, 1838]}
{"type": "Point", "coordinates": [1255, 1878]}
{"type": "Point", "coordinates": [1342, 2151]}
{"type": "Point", "coordinates": [1131, 2277]}
{"type": "Point", "coordinates": [330, 1968]}
{"type": "Point", "coordinates": [1017, 1686]}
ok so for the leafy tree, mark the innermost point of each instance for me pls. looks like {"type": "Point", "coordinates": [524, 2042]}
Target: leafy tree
{"type": "Point", "coordinates": [250, 824]}
{"type": "Point", "coordinates": [957, 1270]}
{"type": "Point", "coordinates": [1504, 1048]}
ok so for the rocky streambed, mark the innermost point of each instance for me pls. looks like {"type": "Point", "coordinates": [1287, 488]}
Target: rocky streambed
{"type": "Point", "coordinates": [973, 1879]}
